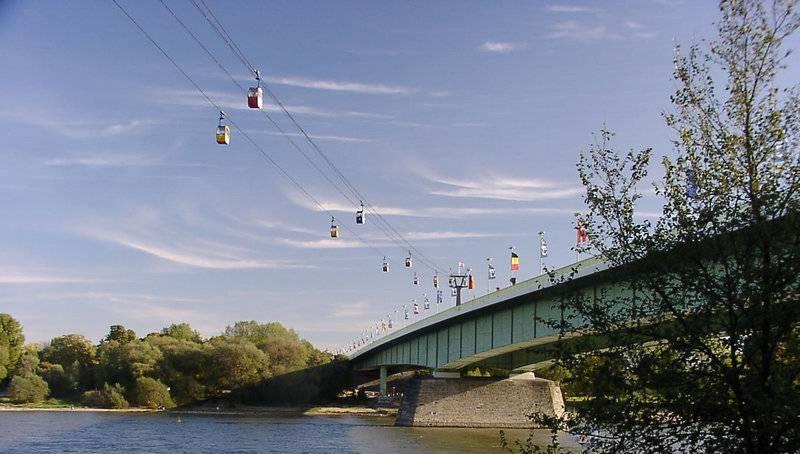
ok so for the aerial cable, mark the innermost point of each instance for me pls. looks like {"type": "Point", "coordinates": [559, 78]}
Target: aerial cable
{"type": "Point", "coordinates": [269, 118]}
{"type": "Point", "coordinates": [235, 125]}
{"type": "Point", "coordinates": [216, 24]}
{"type": "Point", "coordinates": [222, 33]}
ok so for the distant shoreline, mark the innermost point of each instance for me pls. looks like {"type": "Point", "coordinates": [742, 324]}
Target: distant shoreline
{"type": "Point", "coordinates": [80, 409]}
{"type": "Point", "coordinates": [250, 411]}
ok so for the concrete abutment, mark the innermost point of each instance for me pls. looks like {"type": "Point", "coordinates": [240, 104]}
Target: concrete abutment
{"type": "Point", "coordinates": [479, 402]}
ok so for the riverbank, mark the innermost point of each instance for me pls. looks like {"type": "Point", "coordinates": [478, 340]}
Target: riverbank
{"type": "Point", "coordinates": [77, 409]}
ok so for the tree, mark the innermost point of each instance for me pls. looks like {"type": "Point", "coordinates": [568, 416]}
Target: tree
{"type": "Point", "coordinates": [106, 397]}
{"type": "Point", "coordinates": [235, 363]}
{"type": "Point", "coordinates": [184, 367]}
{"type": "Point", "coordinates": [28, 388]}
{"type": "Point", "coordinates": [11, 342]}
{"type": "Point", "coordinates": [151, 393]}
{"type": "Point", "coordinates": [181, 331]}
{"type": "Point", "coordinates": [76, 354]}
{"type": "Point", "coordinates": [124, 363]}
{"type": "Point", "coordinates": [704, 352]}
{"type": "Point", "coordinates": [283, 346]}
{"type": "Point", "coordinates": [120, 334]}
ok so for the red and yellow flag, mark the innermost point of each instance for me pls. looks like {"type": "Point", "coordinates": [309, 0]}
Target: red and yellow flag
{"type": "Point", "coordinates": [514, 262]}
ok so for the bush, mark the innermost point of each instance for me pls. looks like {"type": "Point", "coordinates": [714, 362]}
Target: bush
{"type": "Point", "coordinates": [61, 383]}
{"type": "Point", "coordinates": [108, 397]}
{"type": "Point", "coordinates": [152, 393]}
{"type": "Point", "coordinates": [28, 388]}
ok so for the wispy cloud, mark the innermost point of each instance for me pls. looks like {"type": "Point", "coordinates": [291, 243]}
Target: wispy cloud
{"type": "Point", "coordinates": [103, 160]}
{"type": "Point", "coordinates": [352, 87]}
{"type": "Point", "coordinates": [25, 278]}
{"type": "Point", "coordinates": [203, 254]}
{"type": "Point", "coordinates": [577, 31]}
{"type": "Point", "coordinates": [323, 243]}
{"type": "Point", "coordinates": [76, 129]}
{"type": "Point", "coordinates": [231, 102]}
{"type": "Point", "coordinates": [500, 188]}
{"type": "Point", "coordinates": [446, 235]}
{"type": "Point", "coordinates": [441, 212]}
{"type": "Point", "coordinates": [349, 310]}
{"type": "Point", "coordinates": [570, 9]}
{"type": "Point", "coordinates": [319, 137]}
{"type": "Point", "coordinates": [499, 47]}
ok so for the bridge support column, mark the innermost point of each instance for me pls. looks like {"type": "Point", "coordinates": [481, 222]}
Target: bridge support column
{"type": "Point", "coordinates": [382, 381]}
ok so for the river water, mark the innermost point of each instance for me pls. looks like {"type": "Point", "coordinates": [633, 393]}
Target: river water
{"type": "Point", "coordinates": [87, 432]}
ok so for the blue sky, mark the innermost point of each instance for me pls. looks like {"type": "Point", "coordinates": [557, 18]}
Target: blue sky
{"type": "Point", "coordinates": [460, 121]}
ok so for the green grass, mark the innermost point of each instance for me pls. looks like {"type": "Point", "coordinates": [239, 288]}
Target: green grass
{"type": "Point", "coordinates": [49, 403]}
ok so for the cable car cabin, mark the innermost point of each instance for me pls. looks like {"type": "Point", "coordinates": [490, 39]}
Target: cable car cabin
{"type": "Point", "coordinates": [334, 231]}
{"type": "Point", "coordinates": [223, 134]}
{"type": "Point", "coordinates": [416, 280]}
{"type": "Point", "coordinates": [360, 218]}
{"type": "Point", "coordinates": [255, 97]}
{"type": "Point", "coordinates": [385, 267]}
{"type": "Point", "coordinates": [408, 262]}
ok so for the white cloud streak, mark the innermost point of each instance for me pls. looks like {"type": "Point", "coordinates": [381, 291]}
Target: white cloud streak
{"type": "Point", "coordinates": [351, 87]}
{"type": "Point", "coordinates": [499, 47]}
{"type": "Point", "coordinates": [571, 9]}
{"type": "Point", "coordinates": [21, 278]}
{"type": "Point", "coordinates": [500, 188]}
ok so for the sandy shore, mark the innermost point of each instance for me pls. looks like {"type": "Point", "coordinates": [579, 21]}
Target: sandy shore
{"type": "Point", "coordinates": [253, 411]}
{"type": "Point", "coordinates": [79, 409]}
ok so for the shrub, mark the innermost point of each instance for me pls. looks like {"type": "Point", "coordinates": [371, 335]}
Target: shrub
{"type": "Point", "coordinates": [152, 393]}
{"type": "Point", "coordinates": [28, 388]}
{"type": "Point", "coordinates": [107, 397]}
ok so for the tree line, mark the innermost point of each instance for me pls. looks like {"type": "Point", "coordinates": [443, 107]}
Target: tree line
{"type": "Point", "coordinates": [175, 366]}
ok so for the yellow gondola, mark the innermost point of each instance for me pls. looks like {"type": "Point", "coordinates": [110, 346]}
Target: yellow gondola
{"type": "Point", "coordinates": [223, 131]}
{"type": "Point", "coordinates": [334, 228]}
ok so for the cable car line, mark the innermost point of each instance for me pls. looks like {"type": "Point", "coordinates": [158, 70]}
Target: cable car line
{"type": "Point", "coordinates": [235, 125]}
{"type": "Point", "coordinates": [220, 30]}
{"type": "Point", "coordinates": [386, 228]}
{"type": "Point", "coordinates": [271, 120]}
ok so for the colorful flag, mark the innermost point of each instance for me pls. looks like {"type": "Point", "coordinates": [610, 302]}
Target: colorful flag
{"type": "Point", "coordinates": [471, 282]}
{"type": "Point", "coordinates": [491, 272]}
{"type": "Point", "coordinates": [583, 235]}
{"type": "Point", "coordinates": [416, 309]}
{"type": "Point", "coordinates": [514, 262]}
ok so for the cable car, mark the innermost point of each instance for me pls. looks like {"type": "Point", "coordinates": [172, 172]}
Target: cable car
{"type": "Point", "coordinates": [385, 265]}
{"type": "Point", "coordinates": [334, 228]}
{"type": "Point", "coordinates": [223, 131]}
{"type": "Point", "coordinates": [427, 303]}
{"type": "Point", "coordinates": [408, 260]}
{"type": "Point", "coordinates": [436, 280]}
{"type": "Point", "coordinates": [416, 279]}
{"type": "Point", "coordinates": [255, 95]}
{"type": "Point", "coordinates": [361, 217]}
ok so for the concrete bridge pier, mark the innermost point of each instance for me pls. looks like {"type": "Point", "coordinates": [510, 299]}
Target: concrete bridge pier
{"type": "Point", "coordinates": [452, 401]}
{"type": "Point", "coordinates": [382, 382]}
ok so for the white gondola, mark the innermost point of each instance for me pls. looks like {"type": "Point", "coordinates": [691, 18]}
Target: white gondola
{"type": "Point", "coordinates": [408, 260]}
{"type": "Point", "coordinates": [416, 279]}
{"type": "Point", "coordinates": [385, 265]}
{"type": "Point", "coordinates": [255, 95]}
{"type": "Point", "coordinates": [223, 131]}
{"type": "Point", "coordinates": [361, 217]}
{"type": "Point", "coordinates": [436, 280]}
{"type": "Point", "coordinates": [334, 228]}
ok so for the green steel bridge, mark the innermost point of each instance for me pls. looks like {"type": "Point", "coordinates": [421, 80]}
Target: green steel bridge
{"type": "Point", "coordinates": [506, 329]}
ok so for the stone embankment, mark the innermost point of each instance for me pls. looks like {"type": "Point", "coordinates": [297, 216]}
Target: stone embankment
{"type": "Point", "coordinates": [478, 402]}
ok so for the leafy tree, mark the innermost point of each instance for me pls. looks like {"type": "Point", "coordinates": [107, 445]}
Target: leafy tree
{"type": "Point", "coordinates": [287, 352]}
{"type": "Point", "coordinates": [120, 334]}
{"type": "Point", "coordinates": [124, 363]}
{"type": "Point", "coordinates": [75, 354]}
{"type": "Point", "coordinates": [28, 388]}
{"type": "Point", "coordinates": [151, 393]}
{"type": "Point", "coordinates": [184, 367]}
{"type": "Point", "coordinates": [60, 382]}
{"type": "Point", "coordinates": [11, 342]}
{"type": "Point", "coordinates": [28, 362]}
{"type": "Point", "coordinates": [106, 397]}
{"type": "Point", "coordinates": [235, 363]}
{"type": "Point", "coordinates": [705, 353]}
{"type": "Point", "coordinates": [181, 331]}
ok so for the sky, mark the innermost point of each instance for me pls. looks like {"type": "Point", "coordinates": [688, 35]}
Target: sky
{"type": "Point", "coordinates": [460, 122]}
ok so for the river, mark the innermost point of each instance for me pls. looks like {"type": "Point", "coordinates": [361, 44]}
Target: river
{"type": "Point", "coordinates": [88, 432]}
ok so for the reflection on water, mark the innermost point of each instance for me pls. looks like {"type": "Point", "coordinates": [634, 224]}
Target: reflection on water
{"type": "Point", "coordinates": [79, 432]}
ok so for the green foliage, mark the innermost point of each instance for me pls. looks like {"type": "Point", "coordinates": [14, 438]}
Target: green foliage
{"type": "Point", "coordinates": [151, 393]}
{"type": "Point", "coordinates": [106, 397]}
{"type": "Point", "coordinates": [311, 385]}
{"type": "Point", "coordinates": [705, 353]}
{"type": "Point", "coordinates": [181, 331]}
{"type": "Point", "coordinates": [75, 354]}
{"type": "Point", "coordinates": [28, 388]}
{"type": "Point", "coordinates": [11, 341]}
{"type": "Point", "coordinates": [234, 363]}
{"type": "Point", "coordinates": [123, 363]}
{"type": "Point", "coordinates": [120, 334]}
{"type": "Point", "coordinates": [286, 350]}
{"type": "Point", "coordinates": [60, 382]}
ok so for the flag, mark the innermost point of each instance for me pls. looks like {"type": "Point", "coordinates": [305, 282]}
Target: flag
{"type": "Point", "coordinates": [416, 309]}
{"type": "Point", "coordinates": [514, 262]}
{"type": "Point", "coordinates": [491, 272]}
{"type": "Point", "coordinates": [542, 247]}
{"type": "Point", "coordinates": [438, 297]}
{"type": "Point", "coordinates": [691, 184]}
{"type": "Point", "coordinates": [471, 282]}
{"type": "Point", "coordinates": [583, 236]}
